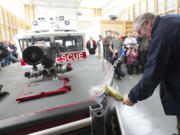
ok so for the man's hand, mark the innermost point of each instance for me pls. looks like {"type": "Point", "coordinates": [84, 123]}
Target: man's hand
{"type": "Point", "coordinates": [127, 101]}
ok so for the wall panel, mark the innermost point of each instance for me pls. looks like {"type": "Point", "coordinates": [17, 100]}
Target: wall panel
{"type": "Point", "coordinates": [1, 16]}
{"type": "Point", "coordinates": [151, 6]}
{"type": "Point", "coordinates": [143, 7]}
{"type": "Point", "coordinates": [170, 4]}
{"type": "Point", "coordinates": [118, 26]}
{"type": "Point", "coordinates": [160, 6]}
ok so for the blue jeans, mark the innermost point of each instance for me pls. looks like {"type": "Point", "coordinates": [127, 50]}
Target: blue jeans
{"type": "Point", "coordinates": [108, 56]}
{"type": "Point", "coordinates": [8, 59]}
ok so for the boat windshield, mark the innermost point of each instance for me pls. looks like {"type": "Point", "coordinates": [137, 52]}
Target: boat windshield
{"type": "Point", "coordinates": [70, 43]}
{"type": "Point", "coordinates": [24, 43]}
{"type": "Point", "coordinates": [67, 43]}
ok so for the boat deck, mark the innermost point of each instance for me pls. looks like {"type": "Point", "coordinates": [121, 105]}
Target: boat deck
{"type": "Point", "coordinates": [144, 118]}
{"type": "Point", "coordinates": [87, 79]}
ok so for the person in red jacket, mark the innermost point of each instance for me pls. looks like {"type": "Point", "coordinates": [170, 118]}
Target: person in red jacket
{"type": "Point", "coordinates": [91, 46]}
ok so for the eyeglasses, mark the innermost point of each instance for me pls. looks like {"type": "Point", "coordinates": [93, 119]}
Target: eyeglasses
{"type": "Point", "coordinates": [141, 30]}
{"type": "Point", "coordinates": [143, 26]}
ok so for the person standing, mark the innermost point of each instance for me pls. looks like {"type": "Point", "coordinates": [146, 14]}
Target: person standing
{"type": "Point", "coordinates": [162, 66]}
{"type": "Point", "coordinates": [100, 46]}
{"type": "Point", "coordinates": [106, 44]}
{"type": "Point", "coordinates": [115, 45]}
{"type": "Point", "coordinates": [91, 46]}
{"type": "Point", "coordinates": [14, 48]}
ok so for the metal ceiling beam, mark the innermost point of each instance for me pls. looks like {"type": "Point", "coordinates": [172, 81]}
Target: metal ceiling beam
{"type": "Point", "coordinates": [55, 6]}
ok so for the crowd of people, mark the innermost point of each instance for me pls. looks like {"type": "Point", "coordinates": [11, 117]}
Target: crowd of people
{"type": "Point", "coordinates": [12, 56]}
{"type": "Point", "coordinates": [131, 48]}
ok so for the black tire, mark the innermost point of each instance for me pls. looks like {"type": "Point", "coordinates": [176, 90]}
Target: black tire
{"type": "Point", "coordinates": [3, 51]}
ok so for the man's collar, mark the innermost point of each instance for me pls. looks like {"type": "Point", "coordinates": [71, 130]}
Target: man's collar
{"type": "Point", "coordinates": [155, 24]}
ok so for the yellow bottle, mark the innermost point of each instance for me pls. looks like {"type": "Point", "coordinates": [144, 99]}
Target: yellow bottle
{"type": "Point", "coordinates": [114, 93]}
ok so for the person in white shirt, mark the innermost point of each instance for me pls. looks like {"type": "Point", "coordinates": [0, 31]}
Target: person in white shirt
{"type": "Point", "coordinates": [100, 46]}
{"type": "Point", "coordinates": [130, 40]}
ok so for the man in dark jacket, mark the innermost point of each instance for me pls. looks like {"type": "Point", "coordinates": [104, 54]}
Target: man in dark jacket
{"type": "Point", "coordinates": [106, 43]}
{"type": "Point", "coordinates": [163, 66]}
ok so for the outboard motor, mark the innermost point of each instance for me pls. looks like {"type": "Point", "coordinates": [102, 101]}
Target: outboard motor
{"type": "Point", "coordinates": [45, 55]}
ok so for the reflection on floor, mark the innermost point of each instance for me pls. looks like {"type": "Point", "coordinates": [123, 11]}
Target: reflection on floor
{"type": "Point", "coordinates": [146, 117]}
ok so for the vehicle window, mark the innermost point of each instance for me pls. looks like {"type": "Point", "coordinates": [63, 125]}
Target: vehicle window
{"type": "Point", "coordinates": [24, 43]}
{"type": "Point", "coordinates": [70, 43]}
{"type": "Point", "coordinates": [67, 43]}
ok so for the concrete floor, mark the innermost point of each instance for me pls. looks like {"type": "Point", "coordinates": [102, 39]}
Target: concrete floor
{"type": "Point", "coordinates": [146, 117]}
